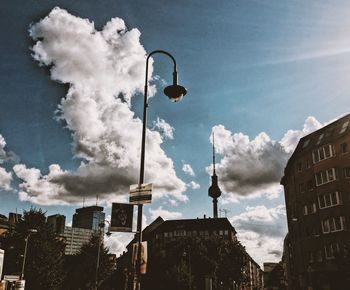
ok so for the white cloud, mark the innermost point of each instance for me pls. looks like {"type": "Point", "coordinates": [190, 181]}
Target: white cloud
{"type": "Point", "coordinates": [252, 168]}
{"type": "Point", "coordinates": [5, 177]}
{"type": "Point", "coordinates": [165, 214]}
{"type": "Point", "coordinates": [104, 70]}
{"type": "Point", "coordinates": [187, 168]}
{"type": "Point", "coordinates": [262, 230]}
{"type": "Point", "coordinates": [193, 185]}
{"type": "Point", "coordinates": [166, 129]}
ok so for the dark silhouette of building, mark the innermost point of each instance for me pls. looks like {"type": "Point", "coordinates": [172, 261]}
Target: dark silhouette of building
{"type": "Point", "coordinates": [214, 191]}
{"type": "Point", "coordinates": [316, 184]}
{"type": "Point", "coordinates": [57, 222]}
{"type": "Point", "coordinates": [160, 232]}
{"type": "Point", "coordinates": [88, 217]}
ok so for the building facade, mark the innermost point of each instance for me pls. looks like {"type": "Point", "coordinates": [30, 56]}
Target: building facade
{"type": "Point", "coordinates": [75, 238]}
{"type": "Point", "coordinates": [88, 217]}
{"type": "Point", "coordinates": [160, 233]}
{"type": "Point", "coordinates": [57, 222]}
{"type": "Point", "coordinates": [317, 194]}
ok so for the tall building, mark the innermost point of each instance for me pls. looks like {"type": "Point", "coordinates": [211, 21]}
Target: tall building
{"type": "Point", "coordinates": [317, 194]}
{"type": "Point", "coordinates": [57, 222]}
{"type": "Point", "coordinates": [75, 238]}
{"type": "Point", "coordinates": [88, 217]}
{"type": "Point", "coordinates": [214, 191]}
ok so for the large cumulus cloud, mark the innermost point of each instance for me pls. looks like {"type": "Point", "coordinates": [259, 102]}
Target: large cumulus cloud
{"type": "Point", "coordinates": [104, 70]}
{"type": "Point", "coordinates": [262, 230]}
{"type": "Point", "coordinates": [251, 168]}
{"type": "Point", "coordinates": [5, 176]}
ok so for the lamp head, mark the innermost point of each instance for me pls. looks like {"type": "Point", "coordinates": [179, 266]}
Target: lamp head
{"type": "Point", "coordinates": [175, 92]}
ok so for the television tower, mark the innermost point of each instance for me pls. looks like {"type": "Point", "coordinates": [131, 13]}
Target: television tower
{"type": "Point", "coordinates": [214, 191]}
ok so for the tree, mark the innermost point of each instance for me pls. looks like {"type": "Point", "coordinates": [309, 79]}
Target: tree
{"type": "Point", "coordinates": [45, 253]}
{"type": "Point", "coordinates": [184, 263]}
{"type": "Point", "coordinates": [81, 268]}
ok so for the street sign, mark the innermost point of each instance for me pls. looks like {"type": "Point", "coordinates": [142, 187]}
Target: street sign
{"type": "Point", "coordinates": [11, 278]}
{"type": "Point", "coordinates": [140, 194]}
{"type": "Point", "coordinates": [121, 217]}
{"type": "Point", "coordinates": [143, 263]}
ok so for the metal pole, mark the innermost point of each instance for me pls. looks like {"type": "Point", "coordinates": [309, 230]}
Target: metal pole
{"type": "Point", "coordinates": [137, 274]}
{"type": "Point", "coordinates": [24, 258]}
{"type": "Point", "coordinates": [98, 257]}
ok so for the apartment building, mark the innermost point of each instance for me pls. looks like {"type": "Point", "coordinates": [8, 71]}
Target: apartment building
{"type": "Point", "coordinates": [317, 194]}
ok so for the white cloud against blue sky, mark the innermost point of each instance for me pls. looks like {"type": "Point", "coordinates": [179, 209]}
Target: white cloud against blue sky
{"type": "Point", "coordinates": [72, 96]}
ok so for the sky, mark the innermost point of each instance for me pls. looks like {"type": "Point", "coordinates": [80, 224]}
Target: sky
{"type": "Point", "coordinates": [259, 74]}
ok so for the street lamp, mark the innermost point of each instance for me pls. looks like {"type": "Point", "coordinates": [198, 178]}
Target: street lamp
{"type": "Point", "coordinates": [108, 234]}
{"type": "Point", "coordinates": [174, 93]}
{"type": "Point", "coordinates": [30, 231]}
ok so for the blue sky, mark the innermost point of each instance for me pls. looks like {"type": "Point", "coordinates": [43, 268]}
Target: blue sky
{"type": "Point", "coordinates": [261, 74]}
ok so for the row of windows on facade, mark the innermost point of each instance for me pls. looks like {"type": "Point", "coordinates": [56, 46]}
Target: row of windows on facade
{"type": "Point", "coordinates": [321, 154]}
{"type": "Point", "coordinates": [329, 225]}
{"type": "Point", "coordinates": [323, 177]}
{"type": "Point", "coordinates": [184, 233]}
{"type": "Point", "coordinates": [320, 137]}
{"type": "Point", "coordinates": [330, 252]}
{"type": "Point", "coordinates": [324, 201]}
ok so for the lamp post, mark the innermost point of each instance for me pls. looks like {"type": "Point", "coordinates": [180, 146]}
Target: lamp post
{"type": "Point", "coordinates": [30, 231]}
{"type": "Point", "coordinates": [174, 93]}
{"type": "Point", "coordinates": [100, 226]}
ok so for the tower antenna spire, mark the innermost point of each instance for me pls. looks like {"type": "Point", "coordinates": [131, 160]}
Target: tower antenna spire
{"type": "Point", "coordinates": [214, 191]}
{"type": "Point", "coordinates": [214, 173]}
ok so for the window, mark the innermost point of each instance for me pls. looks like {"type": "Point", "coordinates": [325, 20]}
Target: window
{"type": "Point", "coordinates": [331, 250]}
{"type": "Point", "coordinates": [328, 200]}
{"type": "Point", "coordinates": [309, 185]}
{"type": "Point", "coordinates": [307, 163]}
{"type": "Point", "coordinates": [326, 176]}
{"type": "Point", "coordinates": [311, 256]}
{"type": "Point", "coordinates": [301, 187]}
{"type": "Point", "coordinates": [344, 127]}
{"type": "Point", "coordinates": [322, 153]}
{"type": "Point", "coordinates": [306, 143]}
{"type": "Point", "coordinates": [334, 224]}
{"type": "Point", "coordinates": [347, 172]}
{"type": "Point", "coordinates": [344, 148]}
{"type": "Point", "coordinates": [320, 138]}
{"type": "Point", "coordinates": [221, 232]}
{"type": "Point", "coordinates": [309, 208]}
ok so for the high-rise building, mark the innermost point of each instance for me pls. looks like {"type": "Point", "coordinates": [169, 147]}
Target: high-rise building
{"type": "Point", "coordinates": [317, 194]}
{"type": "Point", "coordinates": [57, 222]}
{"type": "Point", "coordinates": [88, 217]}
{"type": "Point", "coordinates": [75, 238]}
{"type": "Point", "coordinates": [14, 218]}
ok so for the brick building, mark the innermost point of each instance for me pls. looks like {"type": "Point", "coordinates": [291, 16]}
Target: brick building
{"type": "Point", "coordinates": [317, 194]}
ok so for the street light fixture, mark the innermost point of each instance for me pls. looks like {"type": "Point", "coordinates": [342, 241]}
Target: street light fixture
{"type": "Point", "coordinates": [108, 234]}
{"type": "Point", "coordinates": [175, 93]}
{"type": "Point", "coordinates": [30, 231]}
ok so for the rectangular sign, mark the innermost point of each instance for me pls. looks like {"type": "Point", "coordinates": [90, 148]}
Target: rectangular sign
{"type": "Point", "coordinates": [11, 278]}
{"type": "Point", "coordinates": [121, 217]}
{"type": "Point", "coordinates": [140, 194]}
{"type": "Point", "coordinates": [143, 264]}
{"type": "Point", "coordinates": [2, 253]}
